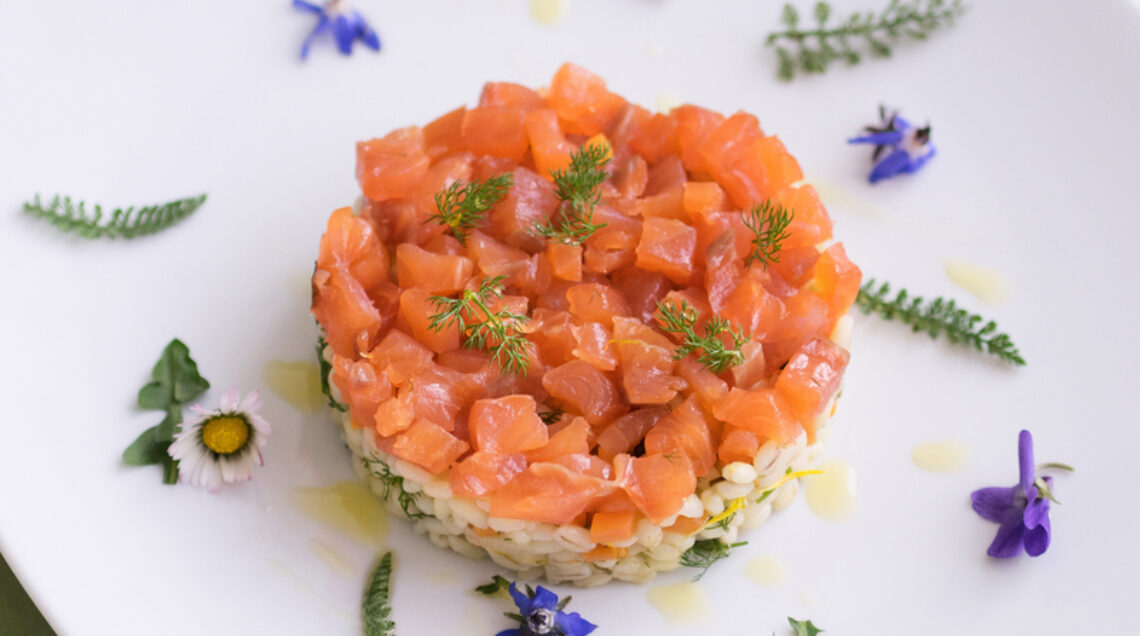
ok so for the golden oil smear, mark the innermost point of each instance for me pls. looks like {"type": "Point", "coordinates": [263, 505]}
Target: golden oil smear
{"type": "Point", "coordinates": [681, 604]}
{"type": "Point", "coordinates": [947, 456]}
{"type": "Point", "coordinates": [549, 12]}
{"type": "Point", "coordinates": [348, 507]}
{"type": "Point", "coordinates": [986, 284]}
{"type": "Point", "coordinates": [831, 496]}
{"type": "Point", "coordinates": [298, 383]}
{"type": "Point", "coordinates": [766, 569]}
{"type": "Point", "coordinates": [330, 556]}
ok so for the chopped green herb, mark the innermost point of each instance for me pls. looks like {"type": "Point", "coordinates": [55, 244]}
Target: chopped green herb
{"type": "Point", "coordinates": [803, 628]}
{"type": "Point", "coordinates": [716, 355]}
{"type": "Point", "coordinates": [705, 552]}
{"type": "Point", "coordinates": [497, 332]}
{"type": "Point", "coordinates": [551, 416]}
{"type": "Point", "coordinates": [325, 369]}
{"type": "Point", "coordinates": [497, 585]}
{"type": "Point", "coordinates": [406, 500]}
{"type": "Point", "coordinates": [937, 318]}
{"type": "Point", "coordinates": [377, 605]}
{"type": "Point", "coordinates": [462, 205]}
{"type": "Point", "coordinates": [73, 217]}
{"type": "Point", "coordinates": [769, 224]}
{"type": "Point", "coordinates": [577, 188]}
{"type": "Point", "coordinates": [816, 49]}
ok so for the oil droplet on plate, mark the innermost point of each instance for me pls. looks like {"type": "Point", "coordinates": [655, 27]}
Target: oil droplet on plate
{"type": "Point", "coordinates": [683, 603]}
{"type": "Point", "coordinates": [766, 570]}
{"type": "Point", "coordinates": [549, 12]}
{"type": "Point", "coordinates": [331, 557]}
{"type": "Point", "coordinates": [298, 383]}
{"type": "Point", "coordinates": [831, 496]}
{"type": "Point", "coordinates": [948, 456]}
{"type": "Point", "coordinates": [348, 507]}
{"type": "Point", "coordinates": [985, 283]}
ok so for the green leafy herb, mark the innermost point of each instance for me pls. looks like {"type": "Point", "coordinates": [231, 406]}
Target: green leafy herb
{"type": "Point", "coordinates": [394, 483]}
{"type": "Point", "coordinates": [377, 606]}
{"type": "Point", "coordinates": [497, 585]}
{"type": "Point", "coordinates": [577, 188]}
{"type": "Point", "coordinates": [497, 332]}
{"type": "Point", "coordinates": [803, 628]}
{"type": "Point", "coordinates": [325, 369]}
{"type": "Point", "coordinates": [705, 552]}
{"type": "Point", "coordinates": [461, 206]}
{"type": "Point", "coordinates": [716, 355]}
{"type": "Point", "coordinates": [551, 416]}
{"type": "Point", "coordinates": [816, 48]}
{"type": "Point", "coordinates": [73, 217]}
{"type": "Point", "coordinates": [769, 224]}
{"type": "Point", "coordinates": [174, 381]}
{"type": "Point", "coordinates": [937, 318]}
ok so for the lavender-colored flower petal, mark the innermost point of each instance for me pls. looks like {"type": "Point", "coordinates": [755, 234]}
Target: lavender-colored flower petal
{"type": "Point", "coordinates": [510, 632]}
{"type": "Point", "coordinates": [574, 625]}
{"type": "Point", "coordinates": [893, 164]}
{"type": "Point", "coordinates": [345, 33]}
{"type": "Point", "coordinates": [1025, 461]}
{"type": "Point", "coordinates": [522, 601]}
{"type": "Point", "coordinates": [544, 599]}
{"type": "Point", "coordinates": [322, 26]}
{"type": "Point", "coordinates": [994, 504]}
{"type": "Point", "coordinates": [888, 138]}
{"type": "Point", "coordinates": [307, 6]}
{"type": "Point", "coordinates": [917, 162]}
{"type": "Point", "coordinates": [1037, 537]}
{"type": "Point", "coordinates": [366, 33]}
{"type": "Point", "coordinates": [902, 124]}
{"type": "Point", "coordinates": [1008, 542]}
{"type": "Point", "coordinates": [1036, 513]}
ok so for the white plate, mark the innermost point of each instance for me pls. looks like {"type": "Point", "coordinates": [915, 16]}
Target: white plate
{"type": "Point", "coordinates": [1034, 111]}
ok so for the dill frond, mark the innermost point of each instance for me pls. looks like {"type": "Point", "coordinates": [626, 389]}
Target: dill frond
{"type": "Point", "coordinates": [497, 585]}
{"type": "Point", "coordinates": [706, 552]}
{"type": "Point", "coordinates": [406, 500]}
{"type": "Point", "coordinates": [461, 206]}
{"type": "Point", "coordinates": [377, 606]}
{"type": "Point", "coordinates": [71, 216]}
{"type": "Point", "coordinates": [715, 355]}
{"type": "Point", "coordinates": [938, 317]}
{"type": "Point", "coordinates": [850, 37]}
{"type": "Point", "coordinates": [551, 416]}
{"type": "Point", "coordinates": [496, 332]}
{"type": "Point", "coordinates": [325, 369]}
{"type": "Point", "coordinates": [577, 188]}
{"type": "Point", "coordinates": [769, 224]}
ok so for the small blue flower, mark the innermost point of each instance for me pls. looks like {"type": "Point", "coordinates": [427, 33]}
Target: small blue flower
{"type": "Point", "coordinates": [541, 615]}
{"type": "Point", "coordinates": [347, 26]}
{"type": "Point", "coordinates": [909, 147]}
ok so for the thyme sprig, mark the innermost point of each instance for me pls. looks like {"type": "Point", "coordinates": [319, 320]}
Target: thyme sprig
{"type": "Point", "coordinates": [497, 332]}
{"type": "Point", "coordinates": [769, 224]}
{"type": "Point", "coordinates": [377, 606]}
{"type": "Point", "coordinates": [706, 552]}
{"type": "Point", "coordinates": [938, 317]}
{"type": "Point", "coordinates": [461, 206]}
{"type": "Point", "coordinates": [816, 49]}
{"type": "Point", "coordinates": [577, 188]}
{"type": "Point", "coordinates": [716, 355]}
{"type": "Point", "coordinates": [73, 216]}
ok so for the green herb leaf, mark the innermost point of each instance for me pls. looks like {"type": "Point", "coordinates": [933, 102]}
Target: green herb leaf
{"type": "Point", "coordinates": [73, 217]}
{"type": "Point", "coordinates": [461, 206]}
{"type": "Point", "coordinates": [326, 368]}
{"type": "Point", "coordinates": [577, 188]}
{"type": "Point", "coordinates": [818, 48]}
{"type": "Point", "coordinates": [803, 628]}
{"type": "Point", "coordinates": [146, 450]}
{"type": "Point", "coordinates": [940, 317]}
{"type": "Point", "coordinates": [716, 356]}
{"type": "Point", "coordinates": [769, 224]}
{"type": "Point", "coordinates": [377, 607]}
{"type": "Point", "coordinates": [497, 585]}
{"type": "Point", "coordinates": [705, 552]}
{"type": "Point", "coordinates": [551, 416]}
{"type": "Point", "coordinates": [394, 484]}
{"type": "Point", "coordinates": [498, 332]}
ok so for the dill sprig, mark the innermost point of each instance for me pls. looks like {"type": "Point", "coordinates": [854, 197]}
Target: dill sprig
{"type": "Point", "coordinates": [326, 367]}
{"type": "Point", "coordinates": [497, 585]}
{"type": "Point", "coordinates": [705, 552]}
{"type": "Point", "coordinates": [496, 332]}
{"type": "Point", "coordinates": [462, 205]}
{"type": "Point", "coordinates": [577, 188]}
{"type": "Point", "coordinates": [769, 223]}
{"type": "Point", "coordinates": [552, 415]}
{"type": "Point", "coordinates": [936, 318]}
{"type": "Point", "coordinates": [406, 500]}
{"type": "Point", "coordinates": [377, 607]}
{"type": "Point", "coordinates": [716, 355]}
{"type": "Point", "coordinates": [817, 48]}
{"type": "Point", "coordinates": [72, 216]}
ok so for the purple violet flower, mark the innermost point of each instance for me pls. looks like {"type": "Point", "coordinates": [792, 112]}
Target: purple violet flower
{"type": "Point", "coordinates": [347, 26]}
{"type": "Point", "coordinates": [1022, 510]}
{"type": "Point", "coordinates": [909, 147]}
{"type": "Point", "coordinates": [540, 614]}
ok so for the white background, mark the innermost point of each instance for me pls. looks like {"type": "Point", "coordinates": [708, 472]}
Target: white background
{"type": "Point", "coordinates": [1034, 108]}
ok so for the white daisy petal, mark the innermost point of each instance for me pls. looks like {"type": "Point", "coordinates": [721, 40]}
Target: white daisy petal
{"type": "Point", "coordinates": [201, 466]}
{"type": "Point", "coordinates": [251, 403]}
{"type": "Point", "coordinates": [229, 401]}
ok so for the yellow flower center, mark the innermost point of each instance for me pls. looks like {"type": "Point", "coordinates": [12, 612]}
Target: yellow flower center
{"type": "Point", "coordinates": [225, 434]}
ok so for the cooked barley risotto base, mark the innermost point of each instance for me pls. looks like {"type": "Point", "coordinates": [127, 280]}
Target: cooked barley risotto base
{"type": "Point", "coordinates": [556, 553]}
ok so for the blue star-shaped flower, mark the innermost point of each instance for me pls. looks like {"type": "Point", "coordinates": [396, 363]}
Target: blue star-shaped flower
{"type": "Point", "coordinates": [909, 147]}
{"type": "Point", "coordinates": [347, 26]}
{"type": "Point", "coordinates": [542, 615]}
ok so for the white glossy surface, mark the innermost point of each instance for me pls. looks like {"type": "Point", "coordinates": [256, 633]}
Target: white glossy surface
{"type": "Point", "coordinates": [1034, 113]}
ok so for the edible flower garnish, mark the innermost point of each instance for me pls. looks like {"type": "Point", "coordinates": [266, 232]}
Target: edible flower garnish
{"type": "Point", "coordinates": [346, 24]}
{"type": "Point", "coordinates": [72, 216]}
{"type": "Point", "coordinates": [909, 148]}
{"type": "Point", "coordinates": [938, 317]}
{"type": "Point", "coordinates": [715, 355]}
{"type": "Point", "coordinates": [1022, 510]}
{"type": "Point", "coordinates": [377, 607]}
{"type": "Point", "coordinates": [803, 628]}
{"type": "Point", "coordinates": [540, 614]}
{"type": "Point", "coordinates": [221, 446]}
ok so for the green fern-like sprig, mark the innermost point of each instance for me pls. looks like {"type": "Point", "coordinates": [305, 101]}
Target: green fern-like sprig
{"type": "Point", "coordinates": [938, 317]}
{"type": "Point", "coordinates": [377, 606]}
{"type": "Point", "coordinates": [74, 217]}
{"type": "Point", "coordinates": [850, 37]}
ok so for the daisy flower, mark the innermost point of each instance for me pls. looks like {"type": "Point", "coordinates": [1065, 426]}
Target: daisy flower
{"type": "Point", "coordinates": [221, 446]}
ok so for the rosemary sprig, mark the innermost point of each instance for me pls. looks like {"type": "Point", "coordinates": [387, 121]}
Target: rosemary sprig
{"type": "Point", "coordinates": [936, 318]}
{"type": "Point", "coordinates": [461, 206]}
{"type": "Point", "coordinates": [769, 224]}
{"type": "Point", "coordinates": [496, 332]}
{"type": "Point", "coordinates": [705, 552]}
{"type": "Point", "coordinates": [377, 607]}
{"type": "Point", "coordinates": [71, 216]}
{"type": "Point", "coordinates": [716, 355]}
{"type": "Point", "coordinates": [325, 369]}
{"type": "Point", "coordinates": [817, 48]}
{"type": "Point", "coordinates": [577, 188]}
